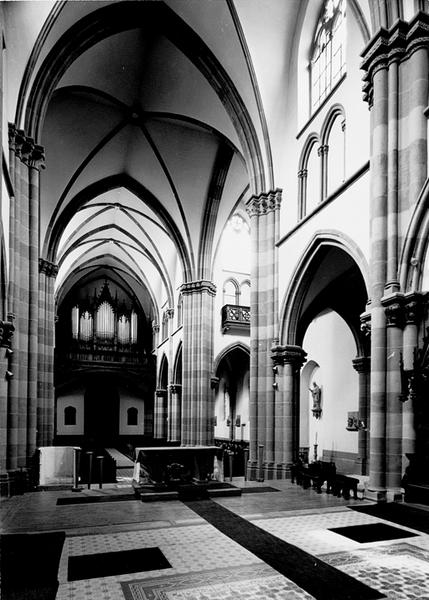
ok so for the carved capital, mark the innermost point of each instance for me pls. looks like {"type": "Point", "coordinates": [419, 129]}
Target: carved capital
{"type": "Point", "coordinates": [264, 203]}
{"type": "Point", "coordinates": [36, 158]}
{"type": "Point", "coordinates": [302, 173]}
{"type": "Point", "coordinates": [365, 323]}
{"type": "Point", "coordinates": [412, 308]}
{"type": "Point", "coordinates": [394, 310]}
{"type": "Point", "coordinates": [6, 333]}
{"type": "Point", "coordinates": [161, 393]}
{"type": "Point", "coordinates": [155, 328]}
{"type": "Point", "coordinates": [198, 287]}
{"type": "Point", "coordinates": [176, 388]}
{"type": "Point", "coordinates": [170, 313]}
{"type": "Point", "coordinates": [292, 355]}
{"type": "Point", "coordinates": [214, 383]}
{"type": "Point", "coordinates": [361, 364]}
{"type": "Point", "coordinates": [50, 269]}
{"type": "Point", "coordinates": [323, 149]}
{"type": "Point", "coordinates": [393, 45]}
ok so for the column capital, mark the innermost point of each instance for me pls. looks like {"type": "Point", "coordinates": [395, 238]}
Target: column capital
{"type": "Point", "coordinates": [50, 269]}
{"type": "Point", "coordinates": [160, 393]}
{"type": "Point", "coordinates": [323, 149]}
{"type": "Point", "coordinates": [170, 313]}
{"type": "Point", "coordinates": [394, 310]}
{"type": "Point", "coordinates": [264, 203]}
{"type": "Point", "coordinates": [302, 173]}
{"type": "Point", "coordinates": [175, 388]}
{"type": "Point", "coordinates": [412, 307]}
{"type": "Point", "coordinates": [214, 382]}
{"type": "Point", "coordinates": [365, 323]}
{"type": "Point", "coordinates": [197, 287]}
{"type": "Point", "coordinates": [361, 364]}
{"type": "Point", "coordinates": [294, 355]}
{"type": "Point", "coordinates": [6, 333]}
{"type": "Point", "coordinates": [393, 45]}
{"type": "Point", "coordinates": [36, 157]}
{"type": "Point", "coordinates": [155, 328]}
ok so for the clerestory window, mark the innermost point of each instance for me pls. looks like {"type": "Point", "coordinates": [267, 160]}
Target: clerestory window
{"type": "Point", "coordinates": [328, 56]}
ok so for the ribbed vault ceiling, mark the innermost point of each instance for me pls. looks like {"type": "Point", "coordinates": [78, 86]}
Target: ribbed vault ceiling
{"type": "Point", "coordinates": [144, 162]}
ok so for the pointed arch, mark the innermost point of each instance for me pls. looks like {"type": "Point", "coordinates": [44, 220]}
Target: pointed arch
{"type": "Point", "coordinates": [303, 274]}
{"type": "Point", "coordinates": [227, 350]}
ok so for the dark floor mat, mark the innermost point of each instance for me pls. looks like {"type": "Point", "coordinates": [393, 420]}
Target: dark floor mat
{"type": "Point", "coordinates": [94, 499]}
{"type": "Point", "coordinates": [29, 565]}
{"type": "Point", "coordinates": [311, 574]}
{"type": "Point", "coordinates": [90, 566]}
{"type": "Point", "coordinates": [258, 490]}
{"type": "Point", "coordinates": [372, 532]}
{"type": "Point", "coordinates": [401, 514]}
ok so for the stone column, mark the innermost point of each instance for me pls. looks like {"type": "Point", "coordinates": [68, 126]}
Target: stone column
{"type": "Point", "coordinates": [46, 344]}
{"type": "Point", "coordinates": [412, 306]}
{"type": "Point", "coordinates": [287, 362]}
{"type": "Point", "coordinates": [6, 333]}
{"type": "Point", "coordinates": [322, 151]}
{"type": "Point", "coordinates": [362, 365]}
{"type": "Point", "coordinates": [35, 162]}
{"type": "Point", "coordinates": [396, 64]}
{"type": "Point", "coordinates": [394, 322]}
{"type": "Point", "coordinates": [264, 213]}
{"type": "Point", "coordinates": [160, 414]}
{"type": "Point", "coordinates": [302, 176]}
{"type": "Point", "coordinates": [175, 412]}
{"type": "Point", "coordinates": [197, 398]}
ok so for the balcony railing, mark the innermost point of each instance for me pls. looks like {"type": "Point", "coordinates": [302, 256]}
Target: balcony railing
{"type": "Point", "coordinates": [236, 319]}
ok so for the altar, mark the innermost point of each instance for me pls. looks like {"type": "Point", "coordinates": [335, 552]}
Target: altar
{"type": "Point", "coordinates": [166, 464]}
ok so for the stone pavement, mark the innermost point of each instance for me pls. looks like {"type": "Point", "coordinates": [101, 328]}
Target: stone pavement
{"type": "Point", "coordinates": [205, 564]}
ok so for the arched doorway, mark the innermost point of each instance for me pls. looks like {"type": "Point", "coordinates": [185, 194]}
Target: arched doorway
{"type": "Point", "coordinates": [323, 317]}
{"type": "Point", "coordinates": [231, 409]}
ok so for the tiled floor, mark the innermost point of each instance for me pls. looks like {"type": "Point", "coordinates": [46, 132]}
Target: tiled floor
{"type": "Point", "coordinates": [207, 565]}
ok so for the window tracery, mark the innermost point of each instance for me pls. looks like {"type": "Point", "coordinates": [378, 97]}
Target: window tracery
{"type": "Point", "coordinates": [327, 63]}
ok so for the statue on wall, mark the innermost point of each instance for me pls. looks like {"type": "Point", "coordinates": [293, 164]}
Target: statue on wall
{"type": "Point", "coordinates": [316, 393]}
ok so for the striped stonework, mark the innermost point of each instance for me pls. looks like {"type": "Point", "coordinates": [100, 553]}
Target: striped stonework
{"type": "Point", "coordinates": [6, 333]}
{"type": "Point", "coordinates": [45, 384]}
{"type": "Point", "coordinates": [25, 159]}
{"type": "Point", "coordinates": [197, 396]}
{"type": "Point", "coordinates": [174, 417]}
{"type": "Point", "coordinates": [396, 64]}
{"type": "Point", "coordinates": [264, 212]}
{"type": "Point", "coordinates": [160, 414]}
{"type": "Point", "coordinates": [362, 365]}
{"type": "Point", "coordinates": [286, 364]}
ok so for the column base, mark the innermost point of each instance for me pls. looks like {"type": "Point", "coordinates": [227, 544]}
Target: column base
{"type": "Point", "coordinates": [378, 495]}
{"type": "Point", "coordinates": [252, 470]}
{"type": "Point", "coordinates": [395, 494]}
{"type": "Point", "coordinates": [270, 471]}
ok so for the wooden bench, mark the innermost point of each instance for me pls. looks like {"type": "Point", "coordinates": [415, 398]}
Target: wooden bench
{"type": "Point", "coordinates": [315, 474]}
{"type": "Point", "coordinates": [343, 485]}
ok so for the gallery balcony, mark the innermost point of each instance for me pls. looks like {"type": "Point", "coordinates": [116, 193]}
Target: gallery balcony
{"type": "Point", "coordinates": [236, 319]}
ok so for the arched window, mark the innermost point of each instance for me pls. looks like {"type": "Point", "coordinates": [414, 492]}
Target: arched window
{"type": "Point", "coordinates": [230, 292]}
{"type": "Point", "coordinates": [132, 416]}
{"type": "Point", "coordinates": [105, 322]}
{"type": "Point", "coordinates": [70, 415]}
{"type": "Point", "coordinates": [327, 62]}
{"type": "Point", "coordinates": [180, 311]}
{"type": "Point", "coordinates": [336, 154]}
{"type": "Point", "coordinates": [164, 330]}
{"type": "Point", "coordinates": [245, 293]}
